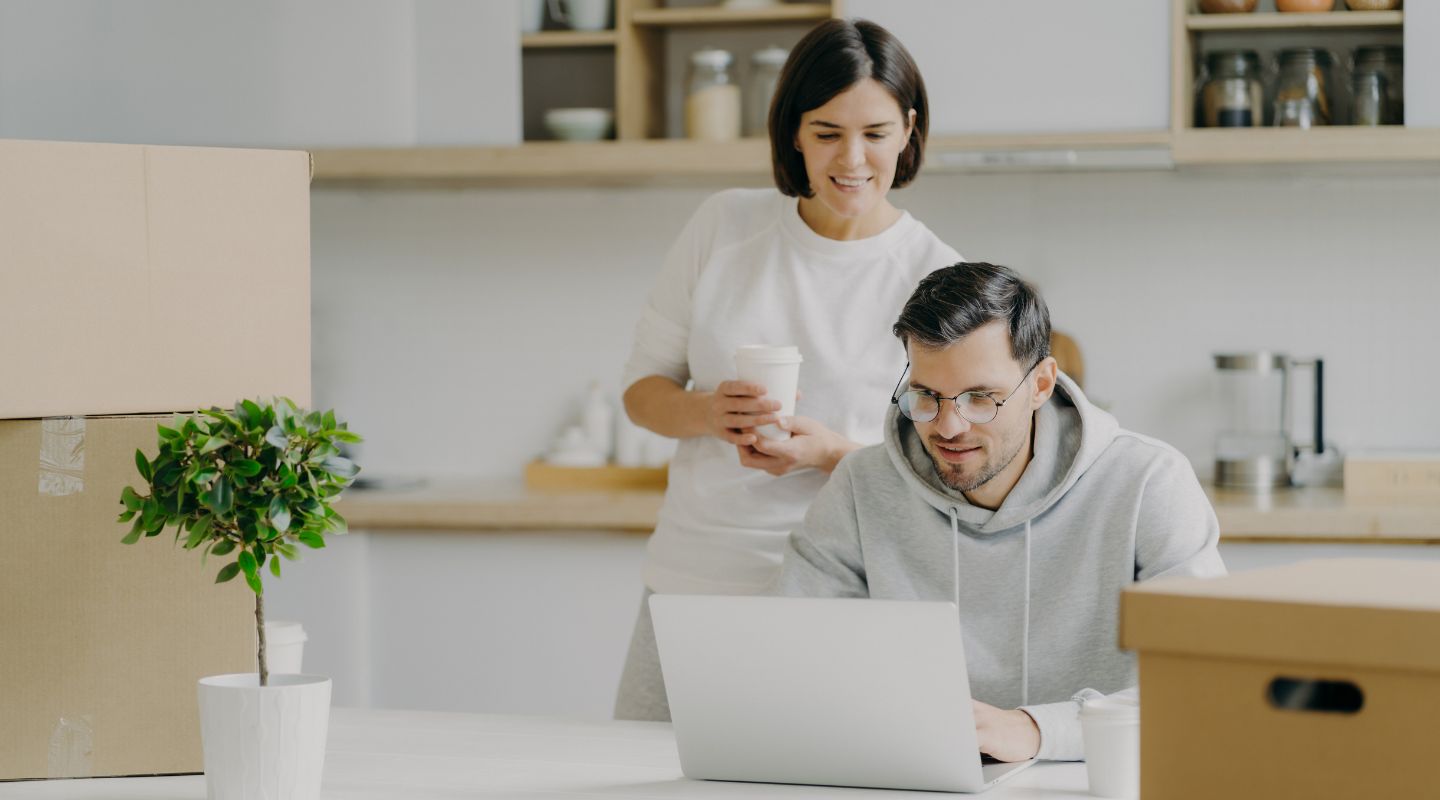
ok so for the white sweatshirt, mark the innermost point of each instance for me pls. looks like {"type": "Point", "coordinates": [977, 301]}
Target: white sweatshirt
{"type": "Point", "coordinates": [748, 270]}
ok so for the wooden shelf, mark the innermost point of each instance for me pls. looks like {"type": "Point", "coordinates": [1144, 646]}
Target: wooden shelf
{"type": "Point", "coordinates": [547, 40]}
{"type": "Point", "coordinates": [1338, 144]}
{"type": "Point", "coordinates": [1277, 21]}
{"type": "Point", "coordinates": [719, 15]}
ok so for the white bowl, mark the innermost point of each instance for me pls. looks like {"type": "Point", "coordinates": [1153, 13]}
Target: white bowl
{"type": "Point", "coordinates": [579, 124]}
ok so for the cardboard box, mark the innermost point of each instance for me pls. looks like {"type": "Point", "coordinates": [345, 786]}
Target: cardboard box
{"type": "Point", "coordinates": [1316, 680]}
{"type": "Point", "coordinates": [101, 643]}
{"type": "Point", "coordinates": [150, 279]}
{"type": "Point", "coordinates": [1395, 476]}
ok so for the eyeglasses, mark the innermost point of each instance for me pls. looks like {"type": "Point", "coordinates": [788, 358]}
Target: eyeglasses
{"type": "Point", "coordinates": [978, 408]}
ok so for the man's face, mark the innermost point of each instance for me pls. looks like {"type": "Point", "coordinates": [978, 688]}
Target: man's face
{"type": "Point", "coordinates": [967, 455]}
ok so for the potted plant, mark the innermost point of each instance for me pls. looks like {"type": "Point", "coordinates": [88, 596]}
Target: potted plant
{"type": "Point", "coordinates": [251, 485]}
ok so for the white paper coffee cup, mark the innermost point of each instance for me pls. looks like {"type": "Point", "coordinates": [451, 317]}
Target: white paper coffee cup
{"type": "Point", "coordinates": [1111, 726]}
{"type": "Point", "coordinates": [778, 370]}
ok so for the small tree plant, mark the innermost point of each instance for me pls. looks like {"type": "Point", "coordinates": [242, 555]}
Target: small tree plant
{"type": "Point", "coordinates": [255, 481]}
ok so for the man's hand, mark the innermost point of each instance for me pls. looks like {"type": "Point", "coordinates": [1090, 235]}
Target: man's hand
{"type": "Point", "coordinates": [1006, 735]}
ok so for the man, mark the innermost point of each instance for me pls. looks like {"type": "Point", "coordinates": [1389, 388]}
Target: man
{"type": "Point", "coordinates": [999, 486]}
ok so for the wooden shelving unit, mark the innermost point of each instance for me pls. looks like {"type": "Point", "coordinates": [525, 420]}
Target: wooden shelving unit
{"type": "Point", "coordinates": [1275, 21]}
{"type": "Point", "coordinates": [550, 40]}
{"type": "Point", "coordinates": [719, 15]}
{"type": "Point", "coordinates": [1336, 143]}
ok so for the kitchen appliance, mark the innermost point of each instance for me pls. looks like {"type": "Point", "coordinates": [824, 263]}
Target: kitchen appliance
{"type": "Point", "coordinates": [1254, 449]}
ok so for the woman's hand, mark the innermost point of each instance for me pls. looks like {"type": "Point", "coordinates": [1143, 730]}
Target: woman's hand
{"type": "Point", "coordinates": [1006, 735]}
{"type": "Point", "coordinates": [735, 408]}
{"type": "Point", "coordinates": [811, 444]}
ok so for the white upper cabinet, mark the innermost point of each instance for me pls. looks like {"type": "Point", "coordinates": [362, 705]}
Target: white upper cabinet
{"type": "Point", "coordinates": [267, 73]}
{"type": "Point", "coordinates": [1004, 66]}
{"type": "Point", "coordinates": [1422, 64]}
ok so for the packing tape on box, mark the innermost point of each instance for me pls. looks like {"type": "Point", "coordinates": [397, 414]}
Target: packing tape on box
{"type": "Point", "coordinates": [62, 456]}
{"type": "Point", "coordinates": [72, 748]}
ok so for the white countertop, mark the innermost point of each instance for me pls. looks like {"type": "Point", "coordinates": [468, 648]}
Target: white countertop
{"type": "Point", "coordinates": [421, 755]}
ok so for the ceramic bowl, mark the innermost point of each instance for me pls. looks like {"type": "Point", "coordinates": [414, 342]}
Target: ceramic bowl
{"type": "Point", "coordinates": [1305, 6]}
{"type": "Point", "coordinates": [1227, 6]}
{"type": "Point", "coordinates": [579, 124]}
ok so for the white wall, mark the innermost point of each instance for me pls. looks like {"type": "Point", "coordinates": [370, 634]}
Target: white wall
{"type": "Point", "coordinates": [456, 330]}
{"type": "Point", "coordinates": [261, 73]}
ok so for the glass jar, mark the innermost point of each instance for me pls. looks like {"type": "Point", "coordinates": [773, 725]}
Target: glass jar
{"type": "Point", "coordinates": [1369, 104]}
{"type": "Point", "coordinates": [765, 66]}
{"type": "Point", "coordinates": [712, 100]}
{"type": "Point", "coordinates": [1232, 96]}
{"type": "Point", "coordinates": [1389, 61]}
{"type": "Point", "coordinates": [1305, 90]}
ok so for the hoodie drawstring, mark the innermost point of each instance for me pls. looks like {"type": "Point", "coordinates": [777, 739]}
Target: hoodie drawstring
{"type": "Point", "coordinates": [1025, 621]}
{"type": "Point", "coordinates": [1025, 628]}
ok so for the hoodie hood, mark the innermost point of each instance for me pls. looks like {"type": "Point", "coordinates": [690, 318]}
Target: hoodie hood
{"type": "Point", "coordinates": [1070, 434]}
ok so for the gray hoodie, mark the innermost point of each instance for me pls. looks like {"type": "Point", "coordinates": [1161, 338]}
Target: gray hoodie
{"type": "Point", "coordinates": [1037, 581]}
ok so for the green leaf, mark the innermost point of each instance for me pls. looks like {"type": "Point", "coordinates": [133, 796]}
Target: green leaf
{"type": "Point", "coordinates": [134, 535]}
{"type": "Point", "coordinates": [347, 437]}
{"type": "Point", "coordinates": [167, 433]}
{"type": "Point", "coordinates": [275, 567]}
{"type": "Point", "coordinates": [338, 523]}
{"type": "Point", "coordinates": [311, 539]}
{"type": "Point", "coordinates": [340, 467]}
{"type": "Point", "coordinates": [126, 516]}
{"type": "Point", "coordinates": [279, 514]}
{"type": "Point", "coordinates": [142, 465]}
{"type": "Point", "coordinates": [246, 467]}
{"type": "Point", "coordinates": [246, 560]}
{"type": "Point", "coordinates": [228, 572]}
{"type": "Point", "coordinates": [221, 496]}
{"type": "Point", "coordinates": [196, 537]}
{"type": "Point", "coordinates": [254, 413]}
{"type": "Point", "coordinates": [276, 437]}
{"type": "Point", "coordinates": [287, 550]}
{"type": "Point", "coordinates": [131, 500]}
{"type": "Point", "coordinates": [213, 444]}
{"type": "Point", "coordinates": [223, 547]}
{"type": "Point", "coordinates": [327, 421]}
{"type": "Point", "coordinates": [288, 478]}
{"type": "Point", "coordinates": [205, 475]}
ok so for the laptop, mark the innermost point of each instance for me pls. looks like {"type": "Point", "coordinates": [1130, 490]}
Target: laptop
{"type": "Point", "coordinates": [830, 692]}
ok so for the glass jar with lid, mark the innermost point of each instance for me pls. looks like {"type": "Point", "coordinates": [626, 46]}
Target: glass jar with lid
{"type": "Point", "coordinates": [712, 100]}
{"type": "Point", "coordinates": [765, 66]}
{"type": "Point", "coordinates": [1389, 61]}
{"type": "Point", "coordinates": [1305, 90]}
{"type": "Point", "coordinates": [1369, 104]}
{"type": "Point", "coordinates": [1231, 95]}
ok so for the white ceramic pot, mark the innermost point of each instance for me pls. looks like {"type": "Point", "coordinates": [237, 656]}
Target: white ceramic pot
{"type": "Point", "coordinates": [264, 743]}
{"type": "Point", "coordinates": [284, 646]}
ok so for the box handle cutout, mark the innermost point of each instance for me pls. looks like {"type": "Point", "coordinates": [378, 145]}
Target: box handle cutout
{"type": "Point", "coordinates": [1302, 694]}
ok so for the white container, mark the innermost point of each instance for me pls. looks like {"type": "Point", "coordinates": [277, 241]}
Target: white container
{"type": "Point", "coordinates": [778, 370]}
{"type": "Point", "coordinates": [586, 15]}
{"type": "Point", "coordinates": [1111, 726]}
{"type": "Point", "coordinates": [284, 647]}
{"type": "Point", "coordinates": [532, 15]}
{"type": "Point", "coordinates": [579, 124]}
{"type": "Point", "coordinates": [264, 743]}
{"type": "Point", "coordinates": [597, 417]}
{"type": "Point", "coordinates": [712, 99]}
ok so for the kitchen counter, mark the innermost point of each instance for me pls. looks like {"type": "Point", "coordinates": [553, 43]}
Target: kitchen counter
{"type": "Point", "coordinates": [1294, 515]}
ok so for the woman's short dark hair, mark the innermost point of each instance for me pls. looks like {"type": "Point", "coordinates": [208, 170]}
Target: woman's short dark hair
{"type": "Point", "coordinates": [951, 303]}
{"type": "Point", "coordinates": [834, 56]}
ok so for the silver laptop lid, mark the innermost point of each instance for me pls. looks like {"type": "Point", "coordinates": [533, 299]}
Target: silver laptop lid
{"type": "Point", "coordinates": [839, 692]}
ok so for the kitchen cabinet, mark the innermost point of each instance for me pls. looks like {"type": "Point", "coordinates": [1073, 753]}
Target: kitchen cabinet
{"type": "Point", "coordinates": [1266, 31]}
{"type": "Point", "coordinates": [997, 66]}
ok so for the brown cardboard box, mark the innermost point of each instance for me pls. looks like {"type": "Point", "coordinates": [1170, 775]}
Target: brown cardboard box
{"type": "Point", "coordinates": [101, 643]}
{"type": "Point", "coordinates": [1393, 477]}
{"type": "Point", "coordinates": [138, 279]}
{"type": "Point", "coordinates": [1219, 657]}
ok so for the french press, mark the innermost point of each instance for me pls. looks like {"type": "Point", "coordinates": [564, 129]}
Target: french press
{"type": "Point", "coordinates": [1254, 449]}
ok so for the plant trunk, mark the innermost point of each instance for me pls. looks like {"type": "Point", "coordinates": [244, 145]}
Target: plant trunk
{"type": "Point", "coordinates": [260, 629]}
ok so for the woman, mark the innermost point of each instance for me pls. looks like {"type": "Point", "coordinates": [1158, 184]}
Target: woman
{"type": "Point", "coordinates": [824, 264]}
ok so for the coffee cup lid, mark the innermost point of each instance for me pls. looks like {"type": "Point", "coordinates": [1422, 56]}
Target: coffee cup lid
{"type": "Point", "coordinates": [766, 352]}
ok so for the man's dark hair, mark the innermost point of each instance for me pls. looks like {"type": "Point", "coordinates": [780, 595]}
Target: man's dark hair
{"type": "Point", "coordinates": [951, 303]}
{"type": "Point", "coordinates": [835, 55]}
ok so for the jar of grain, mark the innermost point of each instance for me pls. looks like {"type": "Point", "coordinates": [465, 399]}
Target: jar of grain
{"type": "Point", "coordinates": [712, 98]}
{"type": "Point", "coordinates": [1305, 91]}
{"type": "Point", "coordinates": [1389, 61]}
{"type": "Point", "coordinates": [1231, 96]}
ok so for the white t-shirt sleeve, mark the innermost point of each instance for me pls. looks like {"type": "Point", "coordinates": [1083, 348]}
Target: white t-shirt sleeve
{"type": "Point", "coordinates": [662, 336]}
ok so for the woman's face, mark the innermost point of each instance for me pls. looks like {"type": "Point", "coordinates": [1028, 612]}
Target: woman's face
{"type": "Point", "coordinates": [850, 146]}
